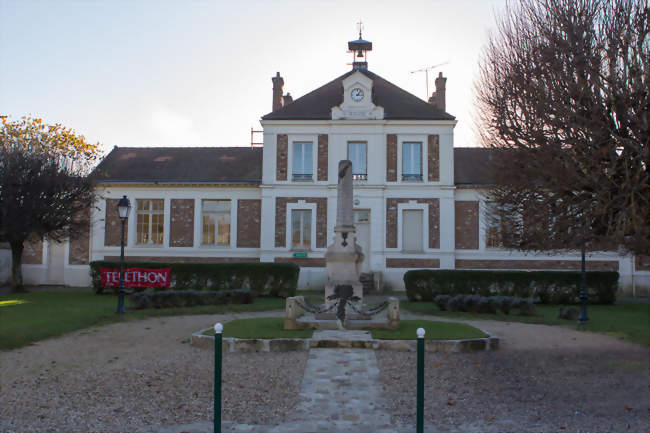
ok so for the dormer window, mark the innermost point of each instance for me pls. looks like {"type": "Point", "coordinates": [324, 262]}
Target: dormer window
{"type": "Point", "coordinates": [302, 160]}
{"type": "Point", "coordinates": [412, 161]}
{"type": "Point", "coordinates": [357, 153]}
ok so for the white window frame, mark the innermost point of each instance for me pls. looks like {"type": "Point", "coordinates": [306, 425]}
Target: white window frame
{"type": "Point", "coordinates": [359, 175]}
{"type": "Point", "coordinates": [483, 228]}
{"type": "Point", "coordinates": [309, 177]}
{"type": "Point", "coordinates": [415, 138]}
{"type": "Point", "coordinates": [301, 205]}
{"type": "Point", "coordinates": [412, 177]}
{"type": "Point", "coordinates": [230, 216]}
{"type": "Point", "coordinates": [413, 205]}
{"type": "Point", "coordinates": [151, 212]}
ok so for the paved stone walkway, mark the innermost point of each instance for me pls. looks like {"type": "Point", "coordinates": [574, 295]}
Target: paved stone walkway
{"type": "Point", "coordinates": [341, 392]}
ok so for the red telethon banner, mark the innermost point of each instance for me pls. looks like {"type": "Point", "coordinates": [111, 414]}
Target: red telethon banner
{"type": "Point", "coordinates": [136, 277]}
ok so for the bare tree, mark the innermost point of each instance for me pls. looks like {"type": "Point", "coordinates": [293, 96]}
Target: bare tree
{"type": "Point", "coordinates": [44, 188]}
{"type": "Point", "coordinates": [563, 97]}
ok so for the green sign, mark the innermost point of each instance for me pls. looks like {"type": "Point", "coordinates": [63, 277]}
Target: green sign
{"type": "Point", "coordinates": [300, 255]}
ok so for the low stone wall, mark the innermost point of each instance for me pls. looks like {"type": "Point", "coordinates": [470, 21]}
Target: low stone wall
{"type": "Point", "coordinates": [303, 344]}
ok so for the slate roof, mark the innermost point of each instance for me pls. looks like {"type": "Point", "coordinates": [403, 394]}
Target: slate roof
{"type": "Point", "coordinates": [236, 165]}
{"type": "Point", "coordinates": [239, 165]}
{"type": "Point", "coordinates": [398, 104]}
{"type": "Point", "coordinates": [472, 166]}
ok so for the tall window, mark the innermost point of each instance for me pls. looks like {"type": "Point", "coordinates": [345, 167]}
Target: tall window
{"type": "Point", "coordinates": [302, 160]}
{"type": "Point", "coordinates": [150, 221]}
{"type": "Point", "coordinates": [502, 224]}
{"type": "Point", "coordinates": [412, 230]}
{"type": "Point", "coordinates": [492, 226]}
{"type": "Point", "coordinates": [216, 222]}
{"type": "Point", "coordinates": [300, 229]}
{"type": "Point", "coordinates": [412, 161]}
{"type": "Point", "coordinates": [357, 153]}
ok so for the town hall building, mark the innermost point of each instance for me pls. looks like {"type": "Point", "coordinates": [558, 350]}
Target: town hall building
{"type": "Point", "coordinates": [418, 200]}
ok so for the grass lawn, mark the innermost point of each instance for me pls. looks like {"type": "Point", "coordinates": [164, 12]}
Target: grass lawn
{"type": "Point", "coordinates": [45, 314]}
{"type": "Point", "coordinates": [433, 330]}
{"type": "Point", "coordinates": [630, 322]}
{"type": "Point", "coordinates": [260, 327]}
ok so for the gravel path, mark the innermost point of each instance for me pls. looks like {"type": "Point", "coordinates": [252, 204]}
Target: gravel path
{"type": "Point", "coordinates": [125, 376]}
{"type": "Point", "coordinates": [542, 379]}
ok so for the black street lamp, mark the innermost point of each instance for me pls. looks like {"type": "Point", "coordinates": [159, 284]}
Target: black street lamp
{"type": "Point", "coordinates": [123, 208]}
{"type": "Point", "coordinates": [583, 318]}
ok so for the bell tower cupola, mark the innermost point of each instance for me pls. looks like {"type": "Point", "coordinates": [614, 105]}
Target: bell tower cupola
{"type": "Point", "coordinates": [359, 49]}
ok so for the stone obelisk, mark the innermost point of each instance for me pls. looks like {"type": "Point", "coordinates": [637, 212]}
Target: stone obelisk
{"type": "Point", "coordinates": [344, 256]}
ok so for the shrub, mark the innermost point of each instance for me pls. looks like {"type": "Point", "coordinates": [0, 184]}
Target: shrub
{"type": "Point", "coordinates": [441, 301]}
{"type": "Point", "coordinates": [189, 298]}
{"type": "Point", "coordinates": [503, 303]}
{"type": "Point", "coordinates": [454, 303]}
{"type": "Point", "coordinates": [547, 287]}
{"type": "Point", "coordinates": [525, 307]}
{"type": "Point", "coordinates": [485, 305]}
{"type": "Point", "coordinates": [267, 279]}
{"type": "Point", "coordinates": [569, 313]}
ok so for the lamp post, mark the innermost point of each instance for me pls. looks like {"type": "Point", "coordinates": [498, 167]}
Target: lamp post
{"type": "Point", "coordinates": [123, 208]}
{"type": "Point", "coordinates": [420, 383]}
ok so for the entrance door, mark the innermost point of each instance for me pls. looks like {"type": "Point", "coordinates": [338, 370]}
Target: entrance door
{"type": "Point", "coordinates": [412, 231]}
{"type": "Point", "coordinates": [362, 226]}
{"type": "Point", "coordinates": [55, 262]}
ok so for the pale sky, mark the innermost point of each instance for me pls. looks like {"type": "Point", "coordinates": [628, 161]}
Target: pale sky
{"type": "Point", "coordinates": [198, 72]}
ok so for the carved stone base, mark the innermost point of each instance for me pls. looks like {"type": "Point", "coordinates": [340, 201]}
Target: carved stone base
{"type": "Point", "coordinates": [357, 289]}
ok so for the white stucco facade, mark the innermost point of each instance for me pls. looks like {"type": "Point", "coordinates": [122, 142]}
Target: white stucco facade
{"type": "Point", "coordinates": [384, 197]}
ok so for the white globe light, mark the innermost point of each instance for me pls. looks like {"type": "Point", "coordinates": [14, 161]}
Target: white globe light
{"type": "Point", "coordinates": [420, 332]}
{"type": "Point", "coordinates": [218, 328]}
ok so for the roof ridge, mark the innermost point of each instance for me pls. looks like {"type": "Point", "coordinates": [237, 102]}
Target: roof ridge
{"type": "Point", "coordinates": [341, 77]}
{"type": "Point", "coordinates": [398, 104]}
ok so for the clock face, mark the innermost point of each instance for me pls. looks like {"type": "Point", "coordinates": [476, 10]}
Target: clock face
{"type": "Point", "coordinates": [356, 94]}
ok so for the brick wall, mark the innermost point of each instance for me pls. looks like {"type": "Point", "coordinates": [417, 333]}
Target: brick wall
{"type": "Point", "coordinates": [176, 259]}
{"type": "Point", "coordinates": [466, 221]}
{"type": "Point", "coordinates": [307, 262]}
{"type": "Point", "coordinates": [433, 152]}
{"type": "Point", "coordinates": [391, 220]}
{"type": "Point", "coordinates": [79, 247]}
{"type": "Point", "coordinates": [113, 225]}
{"type": "Point", "coordinates": [249, 220]}
{"type": "Point", "coordinates": [412, 263]}
{"type": "Point", "coordinates": [323, 140]}
{"type": "Point", "coordinates": [592, 265]}
{"type": "Point", "coordinates": [281, 219]}
{"type": "Point", "coordinates": [282, 152]}
{"type": "Point", "coordinates": [642, 263]}
{"type": "Point", "coordinates": [33, 252]}
{"type": "Point", "coordinates": [391, 158]}
{"type": "Point", "coordinates": [181, 223]}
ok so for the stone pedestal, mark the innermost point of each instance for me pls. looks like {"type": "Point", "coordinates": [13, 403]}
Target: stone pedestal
{"type": "Point", "coordinates": [344, 258]}
{"type": "Point", "coordinates": [293, 311]}
{"type": "Point", "coordinates": [392, 313]}
{"type": "Point", "coordinates": [344, 255]}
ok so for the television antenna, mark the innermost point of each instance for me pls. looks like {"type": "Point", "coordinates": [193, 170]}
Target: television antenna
{"type": "Point", "coordinates": [426, 73]}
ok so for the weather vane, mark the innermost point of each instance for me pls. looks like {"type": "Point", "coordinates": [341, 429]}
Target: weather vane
{"type": "Point", "coordinates": [360, 27]}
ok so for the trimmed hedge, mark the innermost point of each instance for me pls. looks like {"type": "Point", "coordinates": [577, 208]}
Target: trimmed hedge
{"type": "Point", "coordinates": [485, 304]}
{"type": "Point", "coordinates": [189, 298]}
{"type": "Point", "coordinates": [547, 287]}
{"type": "Point", "coordinates": [267, 279]}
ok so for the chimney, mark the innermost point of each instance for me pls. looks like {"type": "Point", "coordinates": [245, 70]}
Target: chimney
{"type": "Point", "coordinates": [287, 99]}
{"type": "Point", "coordinates": [437, 98]}
{"type": "Point", "coordinates": [278, 83]}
